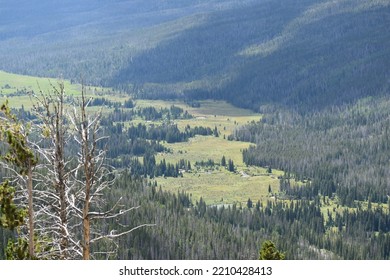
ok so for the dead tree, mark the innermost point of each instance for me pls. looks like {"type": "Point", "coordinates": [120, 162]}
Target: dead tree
{"type": "Point", "coordinates": [53, 127]}
{"type": "Point", "coordinates": [93, 177]}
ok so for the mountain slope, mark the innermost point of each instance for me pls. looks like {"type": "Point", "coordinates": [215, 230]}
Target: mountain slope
{"type": "Point", "coordinates": [93, 38]}
{"type": "Point", "coordinates": [211, 48]}
{"type": "Point", "coordinates": [307, 54]}
{"type": "Point", "coordinates": [304, 54]}
{"type": "Point", "coordinates": [328, 61]}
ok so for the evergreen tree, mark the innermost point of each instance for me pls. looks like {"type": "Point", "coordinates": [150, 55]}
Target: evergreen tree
{"type": "Point", "coordinates": [21, 160]}
{"type": "Point", "coordinates": [231, 167]}
{"type": "Point", "coordinates": [249, 203]}
{"type": "Point", "coordinates": [268, 251]}
{"type": "Point", "coordinates": [215, 132]}
{"type": "Point", "coordinates": [223, 161]}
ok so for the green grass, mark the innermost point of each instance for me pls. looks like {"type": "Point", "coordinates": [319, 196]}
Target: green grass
{"type": "Point", "coordinates": [17, 82]}
{"type": "Point", "coordinates": [220, 186]}
{"type": "Point", "coordinates": [204, 148]}
{"type": "Point", "coordinates": [22, 85]}
{"type": "Point", "coordinates": [215, 185]}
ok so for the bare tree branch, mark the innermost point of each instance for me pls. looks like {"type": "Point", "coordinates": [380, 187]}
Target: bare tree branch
{"type": "Point", "coordinates": [116, 235]}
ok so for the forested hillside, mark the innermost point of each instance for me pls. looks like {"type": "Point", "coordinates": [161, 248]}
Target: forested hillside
{"type": "Point", "coordinates": [333, 53]}
{"type": "Point", "coordinates": [342, 152]}
{"type": "Point", "coordinates": [302, 54]}
{"type": "Point", "coordinates": [92, 39]}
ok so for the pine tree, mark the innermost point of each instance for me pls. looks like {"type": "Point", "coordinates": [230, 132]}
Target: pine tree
{"type": "Point", "coordinates": [249, 203]}
{"type": "Point", "coordinates": [223, 161]}
{"type": "Point", "coordinates": [268, 251]}
{"type": "Point", "coordinates": [231, 167]}
{"type": "Point", "coordinates": [215, 132]}
{"type": "Point", "coordinates": [21, 161]}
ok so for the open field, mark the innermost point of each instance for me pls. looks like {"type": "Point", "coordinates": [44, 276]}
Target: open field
{"type": "Point", "coordinates": [12, 83]}
{"type": "Point", "coordinates": [215, 185]}
{"type": "Point", "coordinates": [221, 186]}
{"type": "Point", "coordinates": [16, 89]}
{"type": "Point", "coordinates": [206, 147]}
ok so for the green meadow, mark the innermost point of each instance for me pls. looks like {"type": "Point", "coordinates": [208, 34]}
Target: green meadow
{"type": "Point", "coordinates": [17, 88]}
{"type": "Point", "coordinates": [14, 83]}
{"type": "Point", "coordinates": [215, 185]}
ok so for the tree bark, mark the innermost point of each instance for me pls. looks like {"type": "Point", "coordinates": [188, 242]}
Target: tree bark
{"type": "Point", "coordinates": [88, 171]}
{"type": "Point", "coordinates": [30, 213]}
{"type": "Point", "coordinates": [59, 161]}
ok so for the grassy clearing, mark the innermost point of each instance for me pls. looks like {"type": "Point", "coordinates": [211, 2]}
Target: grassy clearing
{"type": "Point", "coordinates": [157, 103]}
{"type": "Point", "coordinates": [16, 87]}
{"type": "Point", "coordinates": [221, 186]}
{"type": "Point", "coordinates": [204, 148]}
{"type": "Point", "coordinates": [216, 185]}
{"type": "Point", "coordinates": [12, 83]}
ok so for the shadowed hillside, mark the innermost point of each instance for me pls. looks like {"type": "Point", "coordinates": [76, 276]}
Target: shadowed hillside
{"type": "Point", "coordinates": [302, 54]}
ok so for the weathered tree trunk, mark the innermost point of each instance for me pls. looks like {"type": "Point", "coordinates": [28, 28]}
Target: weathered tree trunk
{"type": "Point", "coordinates": [30, 212]}
{"type": "Point", "coordinates": [60, 166]}
{"type": "Point", "coordinates": [86, 218]}
{"type": "Point", "coordinates": [86, 233]}
{"type": "Point", "coordinates": [64, 242]}
{"type": "Point", "coordinates": [88, 171]}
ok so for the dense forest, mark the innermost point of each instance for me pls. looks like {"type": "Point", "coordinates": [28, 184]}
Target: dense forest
{"type": "Point", "coordinates": [192, 230]}
{"type": "Point", "coordinates": [341, 151]}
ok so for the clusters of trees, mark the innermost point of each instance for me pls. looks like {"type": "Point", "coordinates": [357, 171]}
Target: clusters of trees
{"type": "Point", "coordinates": [166, 132]}
{"type": "Point", "coordinates": [229, 165]}
{"type": "Point", "coordinates": [117, 116]}
{"type": "Point", "coordinates": [140, 140]}
{"type": "Point", "coordinates": [101, 101]}
{"type": "Point", "coordinates": [121, 114]}
{"type": "Point", "coordinates": [151, 168]}
{"type": "Point", "coordinates": [173, 113]}
{"type": "Point", "coordinates": [193, 230]}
